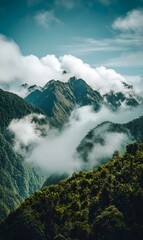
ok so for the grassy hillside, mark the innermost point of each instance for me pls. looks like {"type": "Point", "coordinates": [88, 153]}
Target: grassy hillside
{"type": "Point", "coordinates": [104, 204]}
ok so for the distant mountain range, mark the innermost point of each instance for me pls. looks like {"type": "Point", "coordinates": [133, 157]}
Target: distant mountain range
{"type": "Point", "coordinates": [96, 139]}
{"type": "Point", "coordinates": [58, 99]}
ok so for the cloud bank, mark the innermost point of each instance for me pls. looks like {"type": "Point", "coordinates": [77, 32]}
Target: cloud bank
{"type": "Point", "coordinates": [16, 69]}
{"type": "Point", "coordinates": [28, 132]}
{"type": "Point", "coordinates": [101, 153]}
{"type": "Point", "coordinates": [104, 141]}
{"type": "Point", "coordinates": [55, 151]}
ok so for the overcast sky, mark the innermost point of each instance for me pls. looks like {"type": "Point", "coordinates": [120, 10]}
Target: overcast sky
{"type": "Point", "coordinates": [100, 32]}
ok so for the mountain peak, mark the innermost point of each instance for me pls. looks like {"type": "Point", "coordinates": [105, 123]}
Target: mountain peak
{"type": "Point", "coordinates": [128, 86]}
{"type": "Point", "coordinates": [53, 83]}
{"type": "Point", "coordinates": [72, 79]}
{"type": "Point", "coordinates": [25, 85]}
{"type": "Point", "coordinates": [57, 99]}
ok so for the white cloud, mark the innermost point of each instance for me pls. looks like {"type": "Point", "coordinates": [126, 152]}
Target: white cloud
{"type": "Point", "coordinates": [16, 69]}
{"type": "Point", "coordinates": [58, 148]}
{"type": "Point", "coordinates": [131, 22]}
{"type": "Point", "coordinates": [56, 152]}
{"type": "Point", "coordinates": [38, 69]}
{"type": "Point", "coordinates": [120, 43]}
{"type": "Point", "coordinates": [82, 48]}
{"type": "Point", "coordinates": [130, 59]}
{"type": "Point", "coordinates": [104, 152]}
{"type": "Point", "coordinates": [52, 62]}
{"type": "Point", "coordinates": [109, 141]}
{"type": "Point", "coordinates": [10, 60]}
{"type": "Point", "coordinates": [99, 78]}
{"type": "Point", "coordinates": [46, 18]}
{"type": "Point", "coordinates": [27, 131]}
{"type": "Point", "coordinates": [137, 81]}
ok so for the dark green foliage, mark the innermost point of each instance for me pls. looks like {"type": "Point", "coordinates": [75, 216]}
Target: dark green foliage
{"type": "Point", "coordinates": [17, 180]}
{"type": "Point", "coordinates": [54, 179]}
{"type": "Point", "coordinates": [109, 225]}
{"type": "Point", "coordinates": [13, 106]}
{"type": "Point", "coordinates": [104, 204]}
{"type": "Point", "coordinates": [136, 128]}
{"type": "Point", "coordinates": [133, 130]}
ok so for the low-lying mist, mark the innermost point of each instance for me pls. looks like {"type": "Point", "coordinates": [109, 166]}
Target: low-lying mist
{"type": "Point", "coordinates": [55, 150]}
{"type": "Point", "coordinates": [100, 144]}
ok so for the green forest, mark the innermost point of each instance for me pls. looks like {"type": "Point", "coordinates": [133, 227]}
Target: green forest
{"type": "Point", "coordinates": [71, 119]}
{"type": "Point", "coordinates": [17, 180]}
{"type": "Point", "coordinates": [103, 204]}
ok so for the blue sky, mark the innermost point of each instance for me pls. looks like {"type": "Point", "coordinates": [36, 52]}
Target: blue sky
{"type": "Point", "coordinates": [100, 32]}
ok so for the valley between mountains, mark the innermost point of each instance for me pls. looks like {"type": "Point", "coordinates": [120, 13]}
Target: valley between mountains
{"type": "Point", "coordinates": [71, 163]}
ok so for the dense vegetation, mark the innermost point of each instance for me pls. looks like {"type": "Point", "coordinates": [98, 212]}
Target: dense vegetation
{"type": "Point", "coordinates": [136, 128]}
{"type": "Point", "coordinates": [13, 106]}
{"type": "Point", "coordinates": [104, 204]}
{"type": "Point", "coordinates": [17, 180]}
{"type": "Point", "coordinates": [84, 206]}
{"type": "Point", "coordinates": [133, 130]}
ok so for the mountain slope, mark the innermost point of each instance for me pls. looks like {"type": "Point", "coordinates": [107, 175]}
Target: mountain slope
{"type": "Point", "coordinates": [132, 131]}
{"type": "Point", "coordinates": [84, 94]}
{"type": "Point", "coordinates": [126, 99]}
{"type": "Point", "coordinates": [136, 129]}
{"type": "Point", "coordinates": [102, 204]}
{"type": "Point", "coordinates": [17, 180]}
{"type": "Point", "coordinates": [58, 99]}
{"type": "Point", "coordinates": [13, 106]}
